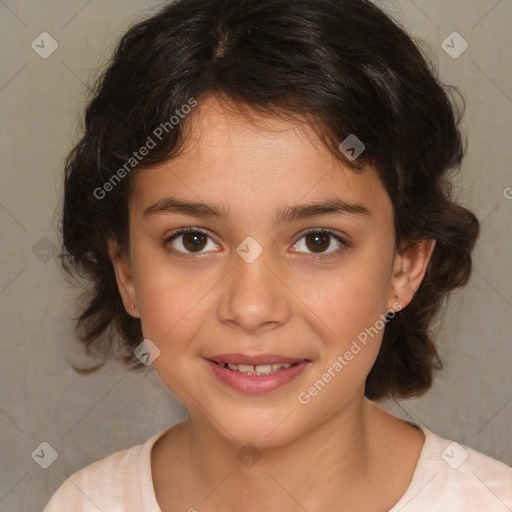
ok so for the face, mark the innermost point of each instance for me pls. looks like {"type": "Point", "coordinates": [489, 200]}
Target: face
{"type": "Point", "coordinates": [287, 257]}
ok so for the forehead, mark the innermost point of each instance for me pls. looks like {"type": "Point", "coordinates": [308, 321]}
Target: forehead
{"type": "Point", "coordinates": [229, 157]}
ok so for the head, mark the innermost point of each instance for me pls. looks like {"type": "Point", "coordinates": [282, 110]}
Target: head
{"type": "Point", "coordinates": [314, 137]}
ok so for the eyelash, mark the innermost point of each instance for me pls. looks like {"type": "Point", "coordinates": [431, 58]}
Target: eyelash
{"type": "Point", "coordinates": [344, 244]}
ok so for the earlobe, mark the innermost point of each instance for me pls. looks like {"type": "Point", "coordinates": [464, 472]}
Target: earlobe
{"type": "Point", "coordinates": [124, 277]}
{"type": "Point", "coordinates": [409, 270]}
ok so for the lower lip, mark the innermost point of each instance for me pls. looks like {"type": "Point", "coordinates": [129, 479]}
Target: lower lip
{"type": "Point", "coordinates": [257, 383]}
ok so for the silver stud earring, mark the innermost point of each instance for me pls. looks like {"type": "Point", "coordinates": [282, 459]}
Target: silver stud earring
{"type": "Point", "coordinates": [133, 306]}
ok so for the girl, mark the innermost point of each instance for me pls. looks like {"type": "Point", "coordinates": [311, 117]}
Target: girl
{"type": "Point", "coordinates": [261, 203]}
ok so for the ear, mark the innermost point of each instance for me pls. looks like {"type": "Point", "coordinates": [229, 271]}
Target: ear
{"type": "Point", "coordinates": [409, 269]}
{"type": "Point", "coordinates": [124, 277]}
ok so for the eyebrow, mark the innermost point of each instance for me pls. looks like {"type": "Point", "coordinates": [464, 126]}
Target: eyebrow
{"type": "Point", "coordinates": [332, 205]}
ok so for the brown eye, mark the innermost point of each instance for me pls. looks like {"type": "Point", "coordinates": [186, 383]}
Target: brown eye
{"type": "Point", "coordinates": [319, 241]}
{"type": "Point", "coordinates": [191, 241]}
{"type": "Point", "coordinates": [194, 241]}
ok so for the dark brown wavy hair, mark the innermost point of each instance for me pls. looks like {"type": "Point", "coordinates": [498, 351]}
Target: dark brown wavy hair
{"type": "Point", "coordinates": [346, 68]}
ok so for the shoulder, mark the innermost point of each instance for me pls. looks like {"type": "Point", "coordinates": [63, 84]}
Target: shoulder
{"type": "Point", "coordinates": [121, 481]}
{"type": "Point", "coordinates": [453, 476]}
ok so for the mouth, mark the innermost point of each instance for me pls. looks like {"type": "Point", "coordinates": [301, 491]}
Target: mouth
{"type": "Point", "coordinates": [260, 369]}
{"type": "Point", "coordinates": [256, 375]}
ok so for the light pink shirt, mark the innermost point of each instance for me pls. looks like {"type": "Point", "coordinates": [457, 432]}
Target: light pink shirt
{"type": "Point", "coordinates": [448, 478]}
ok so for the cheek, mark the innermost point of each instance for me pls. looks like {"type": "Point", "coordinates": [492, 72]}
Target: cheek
{"type": "Point", "coordinates": [172, 304]}
{"type": "Point", "coordinates": [353, 306]}
{"type": "Point", "coordinates": [353, 297]}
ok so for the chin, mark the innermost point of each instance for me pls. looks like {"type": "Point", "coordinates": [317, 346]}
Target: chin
{"type": "Point", "coordinates": [261, 428]}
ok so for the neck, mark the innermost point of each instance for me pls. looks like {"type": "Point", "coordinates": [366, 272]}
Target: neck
{"type": "Point", "coordinates": [333, 458]}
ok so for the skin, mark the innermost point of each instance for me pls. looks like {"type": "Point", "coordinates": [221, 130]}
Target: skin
{"type": "Point", "coordinates": [193, 305]}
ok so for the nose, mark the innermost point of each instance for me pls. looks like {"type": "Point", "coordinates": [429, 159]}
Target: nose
{"type": "Point", "coordinates": [254, 299]}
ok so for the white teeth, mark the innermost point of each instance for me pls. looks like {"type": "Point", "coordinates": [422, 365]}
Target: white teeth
{"type": "Point", "coordinates": [263, 368]}
{"type": "Point", "coordinates": [260, 369]}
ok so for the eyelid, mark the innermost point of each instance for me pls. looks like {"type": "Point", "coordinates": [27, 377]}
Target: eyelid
{"type": "Point", "coordinates": [190, 229]}
{"type": "Point", "coordinates": [182, 231]}
{"type": "Point", "coordinates": [334, 233]}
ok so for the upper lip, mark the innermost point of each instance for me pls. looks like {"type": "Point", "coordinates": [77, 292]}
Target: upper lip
{"type": "Point", "coordinates": [255, 360]}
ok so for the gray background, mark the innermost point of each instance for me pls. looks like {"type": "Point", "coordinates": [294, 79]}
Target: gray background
{"type": "Point", "coordinates": [85, 418]}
